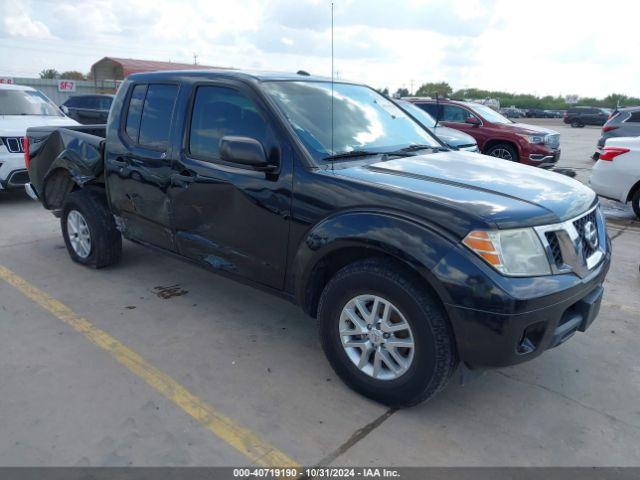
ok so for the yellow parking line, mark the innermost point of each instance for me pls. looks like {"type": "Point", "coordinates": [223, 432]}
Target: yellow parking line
{"type": "Point", "coordinates": [243, 440]}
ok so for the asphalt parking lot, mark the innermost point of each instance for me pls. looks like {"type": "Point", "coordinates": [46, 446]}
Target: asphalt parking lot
{"type": "Point", "coordinates": [157, 362]}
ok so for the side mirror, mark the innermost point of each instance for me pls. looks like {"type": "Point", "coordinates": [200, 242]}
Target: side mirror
{"type": "Point", "coordinates": [472, 121]}
{"type": "Point", "coordinates": [64, 109]}
{"type": "Point", "coordinates": [244, 151]}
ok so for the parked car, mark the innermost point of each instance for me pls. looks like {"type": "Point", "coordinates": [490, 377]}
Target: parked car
{"type": "Point", "coordinates": [449, 136]}
{"type": "Point", "coordinates": [495, 134]}
{"type": "Point", "coordinates": [616, 174]}
{"type": "Point", "coordinates": [623, 123]}
{"type": "Point", "coordinates": [413, 257]}
{"type": "Point", "coordinates": [512, 112]}
{"type": "Point", "coordinates": [21, 107]}
{"type": "Point", "coordinates": [88, 109]}
{"type": "Point", "coordinates": [552, 114]}
{"type": "Point", "coordinates": [535, 113]}
{"type": "Point", "coordinates": [578, 117]}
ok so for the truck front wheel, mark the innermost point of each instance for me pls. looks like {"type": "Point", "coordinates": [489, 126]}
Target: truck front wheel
{"type": "Point", "coordinates": [385, 335]}
{"type": "Point", "coordinates": [89, 230]}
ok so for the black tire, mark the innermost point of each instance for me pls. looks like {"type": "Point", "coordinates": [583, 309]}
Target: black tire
{"type": "Point", "coordinates": [499, 149]}
{"type": "Point", "coordinates": [435, 358]}
{"type": "Point", "coordinates": [106, 241]}
{"type": "Point", "coordinates": [635, 203]}
{"type": "Point", "coordinates": [577, 124]}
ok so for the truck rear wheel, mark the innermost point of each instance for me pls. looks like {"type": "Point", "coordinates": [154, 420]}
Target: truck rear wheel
{"type": "Point", "coordinates": [89, 230]}
{"type": "Point", "coordinates": [385, 335]}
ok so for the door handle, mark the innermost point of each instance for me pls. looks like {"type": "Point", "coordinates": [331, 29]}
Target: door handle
{"type": "Point", "coordinates": [182, 179]}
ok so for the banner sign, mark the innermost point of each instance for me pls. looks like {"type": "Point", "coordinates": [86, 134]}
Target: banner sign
{"type": "Point", "coordinates": [66, 85]}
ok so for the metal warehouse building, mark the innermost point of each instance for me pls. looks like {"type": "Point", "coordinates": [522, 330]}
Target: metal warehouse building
{"type": "Point", "coordinates": [112, 68]}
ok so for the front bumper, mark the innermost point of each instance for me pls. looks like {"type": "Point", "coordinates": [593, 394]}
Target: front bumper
{"type": "Point", "coordinates": [544, 158]}
{"type": "Point", "coordinates": [13, 173]}
{"type": "Point", "coordinates": [500, 321]}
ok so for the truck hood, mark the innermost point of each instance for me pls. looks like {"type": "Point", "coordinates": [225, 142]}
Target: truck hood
{"type": "Point", "coordinates": [452, 137]}
{"type": "Point", "coordinates": [499, 192]}
{"type": "Point", "coordinates": [16, 125]}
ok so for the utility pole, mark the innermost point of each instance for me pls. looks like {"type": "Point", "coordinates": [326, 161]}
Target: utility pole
{"type": "Point", "coordinates": [411, 92]}
{"type": "Point", "coordinates": [195, 58]}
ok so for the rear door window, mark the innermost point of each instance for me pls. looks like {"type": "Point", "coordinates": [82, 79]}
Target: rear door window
{"type": "Point", "coordinates": [90, 103]}
{"type": "Point", "coordinates": [72, 102]}
{"type": "Point", "coordinates": [453, 113]}
{"type": "Point", "coordinates": [134, 112]}
{"type": "Point", "coordinates": [104, 103]}
{"type": "Point", "coordinates": [430, 108]}
{"type": "Point", "coordinates": [157, 113]}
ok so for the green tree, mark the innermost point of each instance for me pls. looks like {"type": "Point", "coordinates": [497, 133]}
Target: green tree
{"type": "Point", "coordinates": [49, 73]}
{"type": "Point", "coordinates": [401, 92]}
{"type": "Point", "coordinates": [430, 89]}
{"type": "Point", "coordinates": [73, 75]}
{"type": "Point", "coordinates": [384, 91]}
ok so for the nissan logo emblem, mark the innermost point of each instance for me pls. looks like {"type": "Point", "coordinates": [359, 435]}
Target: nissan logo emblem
{"type": "Point", "coordinates": [591, 234]}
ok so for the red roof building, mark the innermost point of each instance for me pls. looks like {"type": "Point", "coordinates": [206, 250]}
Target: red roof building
{"type": "Point", "coordinates": [112, 68]}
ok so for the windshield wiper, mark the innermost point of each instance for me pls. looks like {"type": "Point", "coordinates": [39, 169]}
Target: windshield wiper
{"type": "Point", "coordinates": [417, 146]}
{"type": "Point", "coordinates": [352, 154]}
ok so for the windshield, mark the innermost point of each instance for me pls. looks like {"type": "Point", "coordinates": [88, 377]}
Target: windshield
{"type": "Point", "coordinates": [27, 102]}
{"type": "Point", "coordinates": [418, 113]}
{"type": "Point", "coordinates": [363, 120]}
{"type": "Point", "coordinates": [490, 114]}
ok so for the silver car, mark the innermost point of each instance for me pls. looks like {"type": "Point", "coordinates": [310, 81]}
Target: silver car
{"type": "Point", "coordinates": [624, 123]}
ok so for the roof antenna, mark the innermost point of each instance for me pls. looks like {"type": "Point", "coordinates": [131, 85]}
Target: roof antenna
{"type": "Point", "coordinates": [332, 150]}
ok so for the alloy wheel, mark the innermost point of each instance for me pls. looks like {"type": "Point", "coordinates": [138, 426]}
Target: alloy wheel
{"type": "Point", "coordinates": [502, 153]}
{"type": "Point", "coordinates": [376, 337]}
{"type": "Point", "coordinates": [79, 235]}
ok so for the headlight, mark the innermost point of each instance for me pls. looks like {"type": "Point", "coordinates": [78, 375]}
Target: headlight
{"type": "Point", "coordinates": [534, 138]}
{"type": "Point", "coordinates": [516, 252]}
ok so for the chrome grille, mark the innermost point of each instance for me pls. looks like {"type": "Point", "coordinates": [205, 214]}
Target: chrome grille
{"type": "Point", "coordinates": [553, 140]}
{"type": "Point", "coordinates": [13, 144]}
{"type": "Point", "coordinates": [579, 224]}
{"type": "Point", "coordinates": [567, 245]}
{"type": "Point", "coordinates": [554, 245]}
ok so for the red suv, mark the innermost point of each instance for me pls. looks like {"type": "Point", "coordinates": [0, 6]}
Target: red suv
{"type": "Point", "coordinates": [496, 135]}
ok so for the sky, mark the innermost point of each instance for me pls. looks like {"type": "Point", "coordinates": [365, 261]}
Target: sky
{"type": "Point", "coordinates": [547, 47]}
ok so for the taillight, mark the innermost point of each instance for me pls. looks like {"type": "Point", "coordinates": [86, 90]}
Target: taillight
{"type": "Point", "coordinates": [609, 153]}
{"type": "Point", "coordinates": [25, 149]}
{"type": "Point", "coordinates": [608, 128]}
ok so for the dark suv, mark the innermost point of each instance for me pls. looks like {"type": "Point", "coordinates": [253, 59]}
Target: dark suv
{"type": "Point", "coordinates": [88, 109]}
{"type": "Point", "coordinates": [497, 135]}
{"type": "Point", "coordinates": [624, 123]}
{"type": "Point", "coordinates": [578, 117]}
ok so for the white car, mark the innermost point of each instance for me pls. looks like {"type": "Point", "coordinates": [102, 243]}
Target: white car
{"type": "Point", "coordinates": [616, 174]}
{"type": "Point", "coordinates": [20, 108]}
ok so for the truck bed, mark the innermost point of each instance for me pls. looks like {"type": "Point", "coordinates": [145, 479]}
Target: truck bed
{"type": "Point", "coordinates": [78, 149]}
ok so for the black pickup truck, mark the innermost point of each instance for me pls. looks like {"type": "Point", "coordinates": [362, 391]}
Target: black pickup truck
{"type": "Point", "coordinates": [413, 258]}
